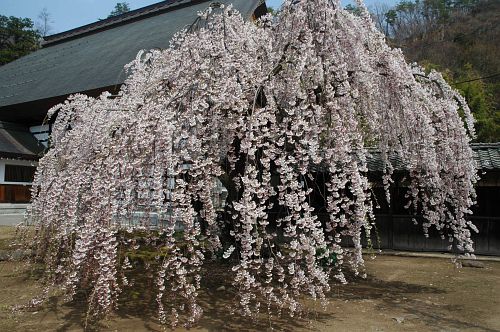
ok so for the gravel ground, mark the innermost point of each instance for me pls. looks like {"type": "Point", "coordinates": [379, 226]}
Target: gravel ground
{"type": "Point", "coordinates": [399, 294]}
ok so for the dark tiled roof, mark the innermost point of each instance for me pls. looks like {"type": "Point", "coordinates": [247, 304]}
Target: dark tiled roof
{"type": "Point", "coordinates": [125, 18]}
{"type": "Point", "coordinates": [18, 143]}
{"type": "Point", "coordinates": [375, 163]}
{"type": "Point", "coordinates": [94, 55]}
{"type": "Point", "coordinates": [487, 156]}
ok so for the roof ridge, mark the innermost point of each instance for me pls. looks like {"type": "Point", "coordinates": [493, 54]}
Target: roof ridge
{"type": "Point", "coordinates": [111, 22]}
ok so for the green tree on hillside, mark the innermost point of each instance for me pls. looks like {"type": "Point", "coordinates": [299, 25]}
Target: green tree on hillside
{"type": "Point", "coordinates": [271, 10]}
{"type": "Point", "coordinates": [459, 37]}
{"type": "Point", "coordinates": [18, 37]}
{"type": "Point", "coordinates": [120, 8]}
{"type": "Point", "coordinates": [480, 98]}
{"type": "Point", "coordinates": [353, 9]}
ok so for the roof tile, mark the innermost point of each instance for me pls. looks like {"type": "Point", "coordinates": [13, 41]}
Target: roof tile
{"type": "Point", "coordinates": [93, 56]}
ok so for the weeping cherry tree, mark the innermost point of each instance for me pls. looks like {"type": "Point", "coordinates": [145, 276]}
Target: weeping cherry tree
{"type": "Point", "coordinates": [258, 105]}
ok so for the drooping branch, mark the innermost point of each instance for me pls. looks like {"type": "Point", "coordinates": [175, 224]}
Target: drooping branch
{"type": "Point", "coordinates": [258, 106]}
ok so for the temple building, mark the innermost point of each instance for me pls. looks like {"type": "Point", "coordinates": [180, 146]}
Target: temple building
{"type": "Point", "coordinates": [88, 60]}
{"type": "Point", "coordinates": [91, 59]}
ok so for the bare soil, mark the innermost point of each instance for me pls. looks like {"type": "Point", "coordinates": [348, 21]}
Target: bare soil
{"type": "Point", "coordinates": [399, 294]}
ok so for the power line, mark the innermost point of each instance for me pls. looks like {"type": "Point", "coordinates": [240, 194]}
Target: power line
{"type": "Point", "coordinates": [477, 79]}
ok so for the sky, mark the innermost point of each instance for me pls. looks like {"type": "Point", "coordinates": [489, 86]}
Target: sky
{"type": "Point", "coordinates": [69, 14]}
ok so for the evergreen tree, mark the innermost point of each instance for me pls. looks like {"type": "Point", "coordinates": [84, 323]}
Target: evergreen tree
{"type": "Point", "coordinates": [120, 8]}
{"type": "Point", "coordinates": [18, 37]}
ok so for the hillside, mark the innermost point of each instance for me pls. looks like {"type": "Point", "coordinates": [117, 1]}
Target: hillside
{"type": "Point", "coordinates": [461, 38]}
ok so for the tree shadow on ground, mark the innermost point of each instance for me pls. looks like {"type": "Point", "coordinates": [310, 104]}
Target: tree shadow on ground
{"type": "Point", "coordinates": [138, 309]}
{"type": "Point", "coordinates": [138, 305]}
{"type": "Point", "coordinates": [396, 296]}
{"type": "Point", "coordinates": [378, 289]}
{"type": "Point", "coordinates": [219, 303]}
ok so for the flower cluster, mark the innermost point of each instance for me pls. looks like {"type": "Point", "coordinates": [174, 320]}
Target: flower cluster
{"type": "Point", "coordinates": [262, 106]}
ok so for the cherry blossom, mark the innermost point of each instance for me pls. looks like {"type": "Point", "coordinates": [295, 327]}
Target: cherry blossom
{"type": "Point", "coordinates": [267, 107]}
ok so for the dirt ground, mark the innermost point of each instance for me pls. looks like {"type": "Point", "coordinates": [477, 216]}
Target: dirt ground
{"type": "Point", "coordinates": [399, 294]}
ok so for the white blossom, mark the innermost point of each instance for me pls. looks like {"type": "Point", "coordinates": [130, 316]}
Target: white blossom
{"type": "Point", "coordinates": [261, 105]}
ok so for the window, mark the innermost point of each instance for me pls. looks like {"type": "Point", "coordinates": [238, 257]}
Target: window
{"type": "Point", "coordinates": [17, 173]}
